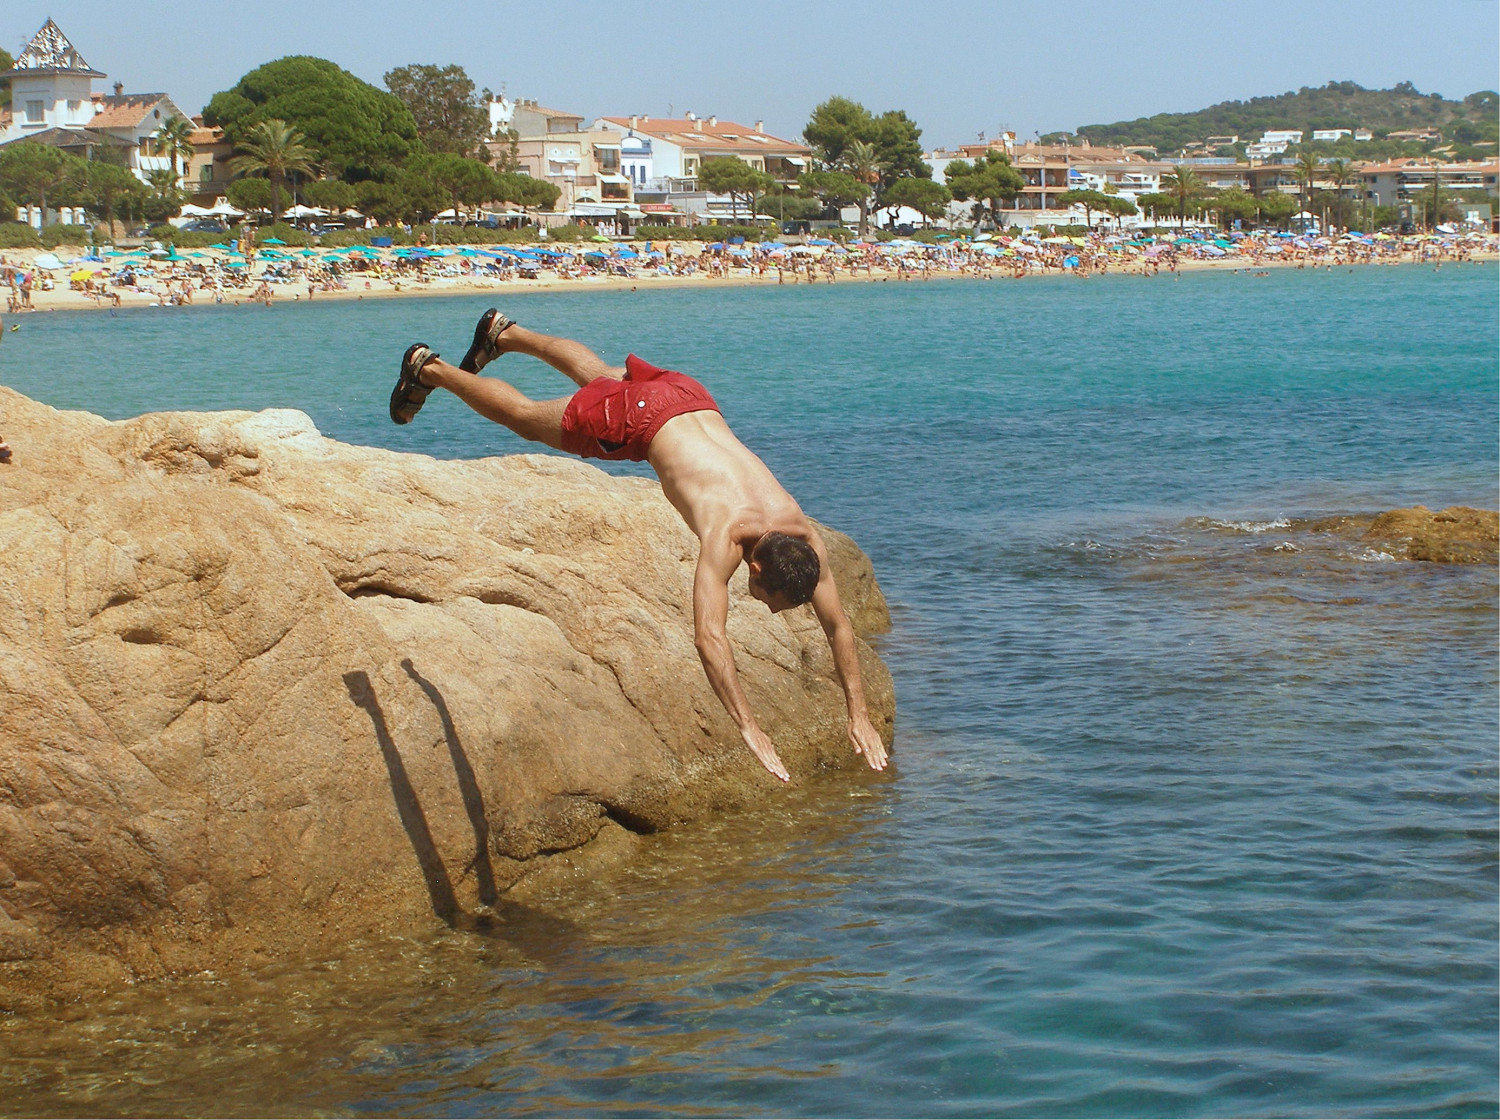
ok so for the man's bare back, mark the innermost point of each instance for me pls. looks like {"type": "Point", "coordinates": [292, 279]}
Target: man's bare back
{"type": "Point", "coordinates": [729, 499]}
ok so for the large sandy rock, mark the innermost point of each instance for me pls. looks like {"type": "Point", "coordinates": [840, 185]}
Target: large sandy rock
{"type": "Point", "coordinates": [258, 687]}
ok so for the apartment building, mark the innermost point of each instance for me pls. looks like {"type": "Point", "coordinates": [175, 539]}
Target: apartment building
{"type": "Point", "coordinates": [1396, 181]}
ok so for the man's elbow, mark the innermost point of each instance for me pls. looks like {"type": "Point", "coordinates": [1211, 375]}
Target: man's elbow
{"type": "Point", "coordinates": [709, 644]}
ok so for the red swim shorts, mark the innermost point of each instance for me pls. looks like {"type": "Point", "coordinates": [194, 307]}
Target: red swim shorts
{"type": "Point", "coordinates": [609, 419]}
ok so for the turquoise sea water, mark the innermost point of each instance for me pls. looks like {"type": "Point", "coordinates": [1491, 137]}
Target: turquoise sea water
{"type": "Point", "coordinates": [1193, 811]}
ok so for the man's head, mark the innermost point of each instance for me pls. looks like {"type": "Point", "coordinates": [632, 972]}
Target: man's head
{"type": "Point", "coordinates": [784, 571]}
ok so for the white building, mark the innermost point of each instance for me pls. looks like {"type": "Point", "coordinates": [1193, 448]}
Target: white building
{"type": "Point", "coordinates": [1331, 134]}
{"type": "Point", "coordinates": [53, 102]}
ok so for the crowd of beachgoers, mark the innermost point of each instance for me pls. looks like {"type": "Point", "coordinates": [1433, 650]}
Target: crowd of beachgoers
{"type": "Point", "coordinates": [165, 276]}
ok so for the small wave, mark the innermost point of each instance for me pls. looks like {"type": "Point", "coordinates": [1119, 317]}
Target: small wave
{"type": "Point", "coordinates": [1372, 556]}
{"type": "Point", "coordinates": [1242, 526]}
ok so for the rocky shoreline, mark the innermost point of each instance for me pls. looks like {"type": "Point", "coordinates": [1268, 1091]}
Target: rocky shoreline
{"type": "Point", "coordinates": [261, 691]}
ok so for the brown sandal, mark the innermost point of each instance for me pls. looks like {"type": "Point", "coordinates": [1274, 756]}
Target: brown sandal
{"type": "Point", "coordinates": [410, 393]}
{"type": "Point", "coordinates": [486, 334]}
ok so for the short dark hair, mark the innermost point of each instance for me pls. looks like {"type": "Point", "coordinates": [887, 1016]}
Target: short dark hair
{"type": "Point", "coordinates": [788, 567]}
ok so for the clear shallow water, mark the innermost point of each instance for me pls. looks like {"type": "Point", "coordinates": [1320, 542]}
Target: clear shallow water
{"type": "Point", "coordinates": [1182, 824]}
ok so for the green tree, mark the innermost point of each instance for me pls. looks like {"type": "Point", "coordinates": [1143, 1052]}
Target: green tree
{"type": "Point", "coordinates": [1090, 200]}
{"type": "Point", "coordinates": [927, 197]}
{"type": "Point", "coordinates": [444, 105]}
{"type": "Point", "coordinates": [837, 189]}
{"type": "Point", "coordinates": [31, 172]}
{"type": "Point", "coordinates": [109, 184]}
{"type": "Point", "coordinates": [1119, 208]}
{"type": "Point", "coordinates": [524, 191]}
{"type": "Point", "coordinates": [352, 128]}
{"type": "Point", "coordinates": [1235, 204]}
{"type": "Point", "coordinates": [250, 194]}
{"type": "Point", "coordinates": [165, 200]}
{"type": "Point", "coordinates": [834, 125]}
{"type": "Point", "coordinates": [1183, 184]}
{"type": "Point", "coordinates": [862, 163]}
{"type": "Point", "coordinates": [174, 140]}
{"type": "Point", "coordinates": [384, 202]}
{"type": "Point", "coordinates": [330, 194]}
{"type": "Point", "coordinates": [275, 149]}
{"type": "Point", "coordinates": [788, 206]}
{"type": "Point", "coordinates": [1306, 172]}
{"type": "Point", "coordinates": [898, 149]}
{"type": "Point", "coordinates": [6, 62]}
{"type": "Point", "coordinates": [990, 181]}
{"type": "Point", "coordinates": [1340, 174]}
{"type": "Point", "coordinates": [876, 151]}
{"type": "Point", "coordinates": [736, 178]}
{"type": "Point", "coordinates": [1276, 208]}
{"type": "Point", "coordinates": [437, 181]}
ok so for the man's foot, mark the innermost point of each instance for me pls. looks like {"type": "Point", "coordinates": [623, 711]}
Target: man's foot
{"type": "Point", "coordinates": [486, 347]}
{"type": "Point", "coordinates": [410, 392]}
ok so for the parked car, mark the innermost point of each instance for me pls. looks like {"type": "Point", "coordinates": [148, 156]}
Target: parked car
{"type": "Point", "coordinates": [204, 225]}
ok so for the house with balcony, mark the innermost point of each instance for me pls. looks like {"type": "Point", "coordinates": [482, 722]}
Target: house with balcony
{"type": "Point", "coordinates": [53, 102]}
{"type": "Point", "coordinates": [207, 176]}
{"type": "Point", "coordinates": [660, 158]}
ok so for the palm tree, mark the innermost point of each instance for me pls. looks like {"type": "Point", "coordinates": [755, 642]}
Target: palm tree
{"type": "Point", "coordinates": [275, 148]}
{"type": "Point", "coordinates": [1340, 174]}
{"type": "Point", "coordinates": [1306, 173]}
{"type": "Point", "coordinates": [1184, 185]}
{"type": "Point", "coordinates": [861, 164]}
{"type": "Point", "coordinates": [174, 140]}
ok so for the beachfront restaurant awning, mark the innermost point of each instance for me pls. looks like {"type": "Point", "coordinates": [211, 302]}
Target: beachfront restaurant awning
{"type": "Point", "coordinates": [592, 210]}
{"type": "Point", "coordinates": [611, 178]}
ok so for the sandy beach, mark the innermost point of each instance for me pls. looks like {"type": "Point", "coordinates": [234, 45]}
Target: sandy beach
{"type": "Point", "coordinates": [163, 282]}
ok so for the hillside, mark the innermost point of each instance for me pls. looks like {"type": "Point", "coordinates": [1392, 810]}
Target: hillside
{"type": "Point", "coordinates": [1336, 105]}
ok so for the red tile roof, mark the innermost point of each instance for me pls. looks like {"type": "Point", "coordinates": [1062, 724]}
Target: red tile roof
{"type": "Point", "coordinates": [706, 133]}
{"type": "Point", "coordinates": [125, 111]}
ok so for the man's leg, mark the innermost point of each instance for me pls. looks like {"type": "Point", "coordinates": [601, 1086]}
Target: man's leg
{"type": "Point", "coordinates": [538, 421]}
{"type": "Point", "coordinates": [568, 356]}
{"type": "Point", "coordinates": [496, 335]}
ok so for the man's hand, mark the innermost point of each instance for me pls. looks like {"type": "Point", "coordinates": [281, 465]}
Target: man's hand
{"type": "Point", "coordinates": [866, 740]}
{"type": "Point", "coordinates": [759, 742]}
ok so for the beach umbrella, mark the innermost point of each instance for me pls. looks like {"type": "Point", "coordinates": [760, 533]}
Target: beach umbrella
{"type": "Point", "coordinates": [82, 273]}
{"type": "Point", "coordinates": [1070, 262]}
{"type": "Point", "coordinates": [598, 237]}
{"type": "Point", "coordinates": [820, 241]}
{"type": "Point", "coordinates": [273, 241]}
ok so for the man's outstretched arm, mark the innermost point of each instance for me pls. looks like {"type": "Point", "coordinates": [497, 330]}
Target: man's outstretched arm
{"type": "Point", "coordinates": [830, 611]}
{"type": "Point", "coordinates": [717, 560]}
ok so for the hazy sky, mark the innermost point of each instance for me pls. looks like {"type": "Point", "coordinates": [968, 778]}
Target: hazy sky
{"type": "Point", "coordinates": [955, 66]}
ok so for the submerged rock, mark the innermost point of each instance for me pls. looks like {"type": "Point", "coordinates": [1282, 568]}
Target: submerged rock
{"type": "Point", "coordinates": [1457, 535]}
{"type": "Point", "coordinates": [259, 688]}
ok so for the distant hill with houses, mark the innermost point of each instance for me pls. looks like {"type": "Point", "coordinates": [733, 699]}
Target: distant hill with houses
{"type": "Point", "coordinates": [1337, 105]}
